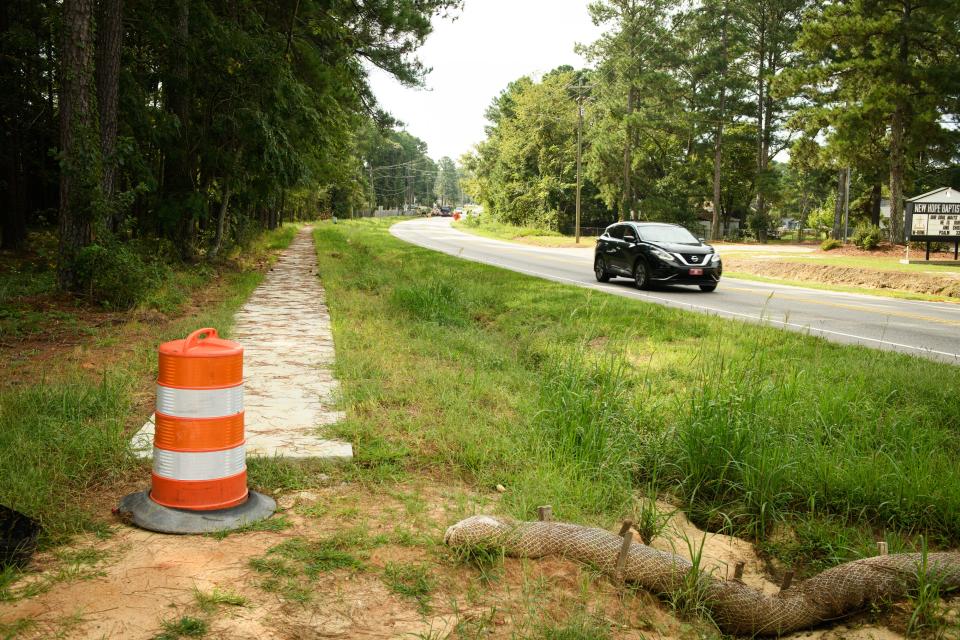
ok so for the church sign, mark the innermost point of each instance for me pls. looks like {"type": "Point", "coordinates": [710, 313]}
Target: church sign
{"type": "Point", "coordinates": [934, 216]}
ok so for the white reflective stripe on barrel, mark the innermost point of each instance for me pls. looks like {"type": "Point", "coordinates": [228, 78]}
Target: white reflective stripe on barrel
{"type": "Point", "coordinates": [199, 403]}
{"type": "Point", "coordinates": [198, 465]}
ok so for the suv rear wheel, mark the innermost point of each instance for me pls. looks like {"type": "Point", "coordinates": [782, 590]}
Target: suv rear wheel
{"type": "Point", "coordinates": [708, 287]}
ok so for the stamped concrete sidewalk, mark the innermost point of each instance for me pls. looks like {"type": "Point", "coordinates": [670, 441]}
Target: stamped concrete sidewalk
{"type": "Point", "coordinates": [289, 388]}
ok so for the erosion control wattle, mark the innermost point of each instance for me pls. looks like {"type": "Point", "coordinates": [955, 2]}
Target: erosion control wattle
{"type": "Point", "coordinates": [199, 479]}
{"type": "Point", "coordinates": [735, 607]}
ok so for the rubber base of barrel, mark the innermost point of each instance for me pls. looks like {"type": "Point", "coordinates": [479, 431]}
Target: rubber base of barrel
{"type": "Point", "coordinates": [147, 514]}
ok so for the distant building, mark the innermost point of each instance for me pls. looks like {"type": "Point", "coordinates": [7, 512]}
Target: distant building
{"type": "Point", "coordinates": [705, 218]}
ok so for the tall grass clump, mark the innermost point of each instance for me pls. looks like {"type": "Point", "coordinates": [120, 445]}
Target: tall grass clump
{"type": "Point", "coordinates": [59, 441]}
{"type": "Point", "coordinates": [731, 458]}
{"type": "Point", "coordinates": [755, 444]}
{"type": "Point", "coordinates": [435, 300]}
{"type": "Point", "coordinates": [582, 445]}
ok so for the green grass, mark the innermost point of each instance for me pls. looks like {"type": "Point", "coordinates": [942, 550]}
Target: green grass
{"type": "Point", "coordinates": [579, 627]}
{"type": "Point", "coordinates": [290, 567]}
{"type": "Point", "coordinates": [411, 581]}
{"type": "Point", "coordinates": [210, 602]}
{"type": "Point", "coordinates": [60, 440]}
{"type": "Point", "coordinates": [14, 629]}
{"type": "Point", "coordinates": [273, 525]}
{"type": "Point", "coordinates": [487, 226]}
{"type": "Point", "coordinates": [185, 627]}
{"type": "Point", "coordinates": [63, 439]}
{"type": "Point", "coordinates": [578, 399]}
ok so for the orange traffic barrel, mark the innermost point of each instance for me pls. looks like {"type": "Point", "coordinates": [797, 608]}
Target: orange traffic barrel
{"type": "Point", "coordinates": [199, 459]}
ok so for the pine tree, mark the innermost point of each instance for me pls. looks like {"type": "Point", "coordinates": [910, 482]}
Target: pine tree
{"type": "Point", "coordinates": [884, 72]}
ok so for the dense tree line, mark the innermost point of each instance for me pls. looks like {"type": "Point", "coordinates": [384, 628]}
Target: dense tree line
{"type": "Point", "coordinates": [734, 109]}
{"type": "Point", "coordinates": [191, 121]}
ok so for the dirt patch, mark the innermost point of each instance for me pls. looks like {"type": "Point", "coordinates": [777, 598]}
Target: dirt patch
{"type": "Point", "coordinates": [137, 580]}
{"type": "Point", "coordinates": [719, 553]}
{"type": "Point", "coordinates": [142, 579]}
{"type": "Point", "coordinates": [945, 285]}
{"type": "Point", "coordinates": [883, 250]}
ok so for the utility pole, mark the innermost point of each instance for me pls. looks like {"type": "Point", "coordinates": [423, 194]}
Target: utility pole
{"type": "Point", "coordinates": [580, 97]}
{"type": "Point", "coordinates": [579, 145]}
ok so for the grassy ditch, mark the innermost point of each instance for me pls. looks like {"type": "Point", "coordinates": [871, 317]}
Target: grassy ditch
{"type": "Point", "coordinates": [487, 226]}
{"type": "Point", "coordinates": [63, 437]}
{"type": "Point", "coordinates": [583, 401]}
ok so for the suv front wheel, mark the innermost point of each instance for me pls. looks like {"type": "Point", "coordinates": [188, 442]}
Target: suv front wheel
{"type": "Point", "coordinates": [641, 276]}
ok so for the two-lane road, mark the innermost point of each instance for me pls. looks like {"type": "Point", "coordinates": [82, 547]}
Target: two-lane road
{"type": "Point", "coordinates": [927, 329]}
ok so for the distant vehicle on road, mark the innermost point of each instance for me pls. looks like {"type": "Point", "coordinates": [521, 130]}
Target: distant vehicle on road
{"type": "Point", "coordinates": [446, 212]}
{"type": "Point", "coordinates": [656, 253]}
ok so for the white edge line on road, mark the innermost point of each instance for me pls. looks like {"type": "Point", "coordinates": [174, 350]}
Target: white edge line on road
{"type": "Point", "coordinates": [672, 303]}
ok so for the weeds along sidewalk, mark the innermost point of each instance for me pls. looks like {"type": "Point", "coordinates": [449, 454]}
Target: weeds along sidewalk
{"type": "Point", "coordinates": [289, 388]}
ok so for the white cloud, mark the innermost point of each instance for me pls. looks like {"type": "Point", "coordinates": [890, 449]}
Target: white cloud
{"type": "Point", "coordinates": [474, 57]}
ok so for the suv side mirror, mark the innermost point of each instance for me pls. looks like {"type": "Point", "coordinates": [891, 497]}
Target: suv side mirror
{"type": "Point", "coordinates": [701, 240]}
{"type": "Point", "coordinates": [629, 238]}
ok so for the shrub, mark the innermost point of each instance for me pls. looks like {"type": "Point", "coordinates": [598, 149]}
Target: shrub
{"type": "Point", "coordinates": [867, 236]}
{"type": "Point", "coordinates": [830, 244]}
{"type": "Point", "coordinates": [114, 275]}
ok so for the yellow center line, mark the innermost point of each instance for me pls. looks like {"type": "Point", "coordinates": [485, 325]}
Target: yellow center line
{"type": "Point", "coordinates": [842, 305]}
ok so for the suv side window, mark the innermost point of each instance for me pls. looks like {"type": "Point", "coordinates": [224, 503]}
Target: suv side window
{"type": "Point", "coordinates": [630, 231]}
{"type": "Point", "coordinates": [616, 232]}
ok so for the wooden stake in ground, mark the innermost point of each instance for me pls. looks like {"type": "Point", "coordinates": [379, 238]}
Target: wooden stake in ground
{"type": "Point", "coordinates": [545, 513]}
{"type": "Point", "coordinates": [787, 580]}
{"type": "Point", "coordinates": [627, 536]}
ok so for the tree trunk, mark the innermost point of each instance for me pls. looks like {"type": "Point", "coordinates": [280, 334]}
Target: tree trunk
{"type": "Point", "coordinates": [626, 208]}
{"type": "Point", "coordinates": [896, 176]}
{"type": "Point", "coordinates": [898, 127]}
{"type": "Point", "coordinates": [293, 20]}
{"type": "Point", "coordinates": [221, 223]}
{"type": "Point", "coordinates": [109, 42]}
{"type": "Point", "coordinates": [838, 205]}
{"type": "Point", "coordinates": [761, 86]}
{"type": "Point", "coordinates": [875, 197]}
{"type": "Point", "coordinates": [79, 142]}
{"type": "Point", "coordinates": [718, 137]}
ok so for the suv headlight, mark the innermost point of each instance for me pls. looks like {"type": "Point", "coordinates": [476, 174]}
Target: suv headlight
{"type": "Point", "coordinates": [663, 255]}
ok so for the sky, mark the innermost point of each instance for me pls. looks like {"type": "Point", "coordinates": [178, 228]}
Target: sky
{"type": "Point", "coordinates": [490, 44]}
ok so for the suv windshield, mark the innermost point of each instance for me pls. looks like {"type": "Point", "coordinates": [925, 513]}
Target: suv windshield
{"type": "Point", "coordinates": [667, 234]}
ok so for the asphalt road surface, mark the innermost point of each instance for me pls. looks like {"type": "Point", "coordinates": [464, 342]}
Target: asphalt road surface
{"type": "Point", "coordinates": [926, 329]}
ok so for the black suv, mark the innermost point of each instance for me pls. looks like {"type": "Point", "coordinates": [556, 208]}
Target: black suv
{"type": "Point", "coordinates": [656, 253]}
